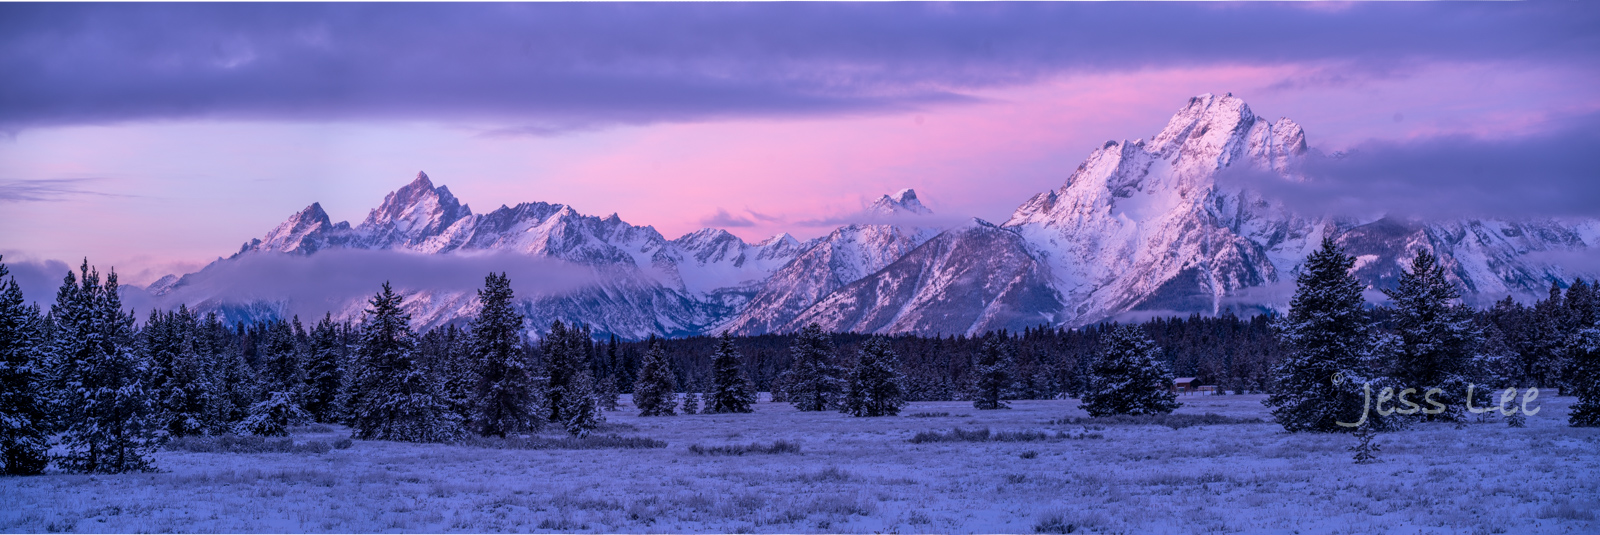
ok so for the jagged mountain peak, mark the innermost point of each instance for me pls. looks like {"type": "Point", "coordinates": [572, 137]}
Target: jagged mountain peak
{"type": "Point", "coordinates": [413, 213]}
{"type": "Point", "coordinates": [901, 202]}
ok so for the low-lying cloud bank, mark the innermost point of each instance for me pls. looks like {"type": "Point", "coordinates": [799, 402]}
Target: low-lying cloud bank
{"type": "Point", "coordinates": [1551, 173]}
{"type": "Point", "coordinates": [328, 281]}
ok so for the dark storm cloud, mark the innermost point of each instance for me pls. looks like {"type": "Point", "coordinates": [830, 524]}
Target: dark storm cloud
{"type": "Point", "coordinates": [1553, 173]}
{"type": "Point", "coordinates": [549, 68]}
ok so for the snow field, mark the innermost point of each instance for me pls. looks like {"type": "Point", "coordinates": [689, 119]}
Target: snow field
{"type": "Point", "coordinates": [863, 475]}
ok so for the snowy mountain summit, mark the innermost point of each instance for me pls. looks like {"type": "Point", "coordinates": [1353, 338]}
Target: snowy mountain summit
{"type": "Point", "coordinates": [1140, 228]}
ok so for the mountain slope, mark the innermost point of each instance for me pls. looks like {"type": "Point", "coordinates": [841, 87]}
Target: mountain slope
{"type": "Point", "coordinates": [1140, 227]}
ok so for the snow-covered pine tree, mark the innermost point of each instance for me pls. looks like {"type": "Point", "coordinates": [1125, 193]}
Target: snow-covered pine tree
{"type": "Point", "coordinates": [583, 407]}
{"type": "Point", "coordinates": [109, 422]}
{"type": "Point", "coordinates": [1583, 380]}
{"type": "Point", "coordinates": [1437, 337]}
{"type": "Point", "coordinates": [731, 390]}
{"type": "Point", "coordinates": [179, 379]}
{"type": "Point", "coordinates": [323, 373]}
{"type": "Point", "coordinates": [992, 374]}
{"type": "Point", "coordinates": [609, 393]}
{"type": "Point", "coordinates": [690, 404]}
{"type": "Point", "coordinates": [444, 354]}
{"type": "Point", "coordinates": [504, 395]}
{"type": "Point", "coordinates": [273, 417]}
{"type": "Point", "coordinates": [240, 388]}
{"type": "Point", "coordinates": [1327, 342]}
{"type": "Point", "coordinates": [568, 352]}
{"type": "Point", "coordinates": [1127, 378]}
{"type": "Point", "coordinates": [280, 357]}
{"type": "Point", "coordinates": [653, 394]}
{"type": "Point", "coordinates": [396, 399]}
{"type": "Point", "coordinates": [876, 386]}
{"type": "Point", "coordinates": [24, 443]}
{"type": "Point", "coordinates": [813, 382]}
{"type": "Point", "coordinates": [562, 362]}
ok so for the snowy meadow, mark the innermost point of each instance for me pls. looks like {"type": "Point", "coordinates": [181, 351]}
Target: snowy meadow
{"type": "Point", "coordinates": [1055, 472]}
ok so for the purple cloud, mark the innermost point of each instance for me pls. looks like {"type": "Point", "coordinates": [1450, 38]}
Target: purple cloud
{"type": "Point", "coordinates": [550, 68]}
{"type": "Point", "coordinates": [1550, 173]}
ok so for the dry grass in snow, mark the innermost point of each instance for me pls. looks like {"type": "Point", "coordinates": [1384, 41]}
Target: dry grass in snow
{"type": "Point", "coordinates": [1190, 475]}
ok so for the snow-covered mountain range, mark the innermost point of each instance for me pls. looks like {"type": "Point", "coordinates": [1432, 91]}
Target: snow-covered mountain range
{"type": "Point", "coordinates": [1139, 228]}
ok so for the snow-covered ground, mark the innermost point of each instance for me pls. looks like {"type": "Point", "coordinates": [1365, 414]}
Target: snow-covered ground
{"type": "Point", "coordinates": [863, 475]}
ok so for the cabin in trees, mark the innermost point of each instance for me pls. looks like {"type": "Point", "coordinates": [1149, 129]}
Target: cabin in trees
{"type": "Point", "coordinates": [1184, 385]}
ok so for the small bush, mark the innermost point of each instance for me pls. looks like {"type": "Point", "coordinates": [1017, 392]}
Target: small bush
{"type": "Point", "coordinates": [781, 446]}
{"type": "Point", "coordinates": [343, 443]}
{"type": "Point", "coordinates": [984, 435]}
{"type": "Point", "coordinates": [1030, 454]}
{"type": "Point", "coordinates": [247, 444]}
{"type": "Point", "coordinates": [1056, 523]}
{"type": "Point", "coordinates": [312, 428]}
{"type": "Point", "coordinates": [591, 442]}
{"type": "Point", "coordinates": [1174, 421]}
{"type": "Point", "coordinates": [929, 415]}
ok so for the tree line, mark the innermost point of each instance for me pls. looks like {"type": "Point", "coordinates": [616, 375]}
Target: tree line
{"type": "Point", "coordinates": [106, 390]}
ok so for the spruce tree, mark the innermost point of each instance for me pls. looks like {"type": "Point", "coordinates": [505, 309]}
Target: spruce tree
{"type": "Point", "coordinates": [1583, 377]}
{"type": "Point", "coordinates": [273, 417]}
{"type": "Point", "coordinates": [583, 407]}
{"type": "Point", "coordinates": [653, 393]}
{"type": "Point", "coordinates": [992, 374]}
{"type": "Point", "coordinates": [110, 423]}
{"type": "Point", "coordinates": [876, 386]}
{"type": "Point", "coordinates": [1127, 378]}
{"type": "Point", "coordinates": [24, 443]}
{"type": "Point", "coordinates": [504, 395]}
{"type": "Point", "coordinates": [609, 393]}
{"type": "Point", "coordinates": [690, 403]}
{"type": "Point", "coordinates": [280, 359]}
{"type": "Point", "coordinates": [396, 399]}
{"type": "Point", "coordinates": [563, 362]}
{"type": "Point", "coordinates": [323, 373]}
{"type": "Point", "coordinates": [1437, 337]}
{"type": "Point", "coordinates": [180, 378]}
{"type": "Point", "coordinates": [732, 390]}
{"type": "Point", "coordinates": [813, 382]}
{"type": "Point", "coordinates": [1319, 383]}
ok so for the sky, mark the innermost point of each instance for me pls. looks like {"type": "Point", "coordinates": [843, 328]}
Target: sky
{"type": "Point", "coordinates": [157, 137]}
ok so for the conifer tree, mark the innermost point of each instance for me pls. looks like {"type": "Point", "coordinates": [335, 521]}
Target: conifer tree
{"type": "Point", "coordinates": [813, 382]}
{"type": "Point", "coordinates": [583, 408]}
{"type": "Point", "coordinates": [653, 394]}
{"type": "Point", "coordinates": [273, 417]}
{"type": "Point", "coordinates": [1319, 383]}
{"type": "Point", "coordinates": [691, 403]}
{"type": "Point", "coordinates": [992, 374]}
{"type": "Point", "coordinates": [180, 373]}
{"type": "Point", "coordinates": [1581, 312]}
{"type": "Point", "coordinates": [563, 363]}
{"type": "Point", "coordinates": [569, 359]}
{"type": "Point", "coordinates": [876, 386]}
{"type": "Point", "coordinates": [1583, 357]}
{"type": "Point", "coordinates": [111, 424]}
{"type": "Point", "coordinates": [1437, 337]}
{"type": "Point", "coordinates": [1126, 377]}
{"type": "Point", "coordinates": [280, 360]}
{"type": "Point", "coordinates": [396, 399]}
{"type": "Point", "coordinates": [323, 373]}
{"type": "Point", "coordinates": [732, 390]}
{"type": "Point", "coordinates": [504, 396]}
{"type": "Point", "coordinates": [609, 393]}
{"type": "Point", "coordinates": [24, 442]}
